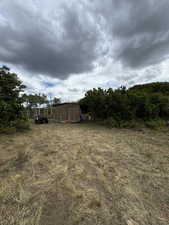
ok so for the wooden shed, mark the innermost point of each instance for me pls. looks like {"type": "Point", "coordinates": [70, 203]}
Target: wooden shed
{"type": "Point", "coordinates": [67, 112]}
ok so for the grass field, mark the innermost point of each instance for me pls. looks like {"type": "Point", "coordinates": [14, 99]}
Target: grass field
{"type": "Point", "coordinates": [82, 174]}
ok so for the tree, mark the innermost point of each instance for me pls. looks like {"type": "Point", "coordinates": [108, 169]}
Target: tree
{"type": "Point", "coordinates": [11, 107]}
{"type": "Point", "coordinates": [56, 101]}
{"type": "Point", "coordinates": [34, 100]}
{"type": "Point", "coordinates": [10, 86]}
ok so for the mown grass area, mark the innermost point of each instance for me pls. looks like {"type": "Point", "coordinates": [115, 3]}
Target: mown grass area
{"type": "Point", "coordinates": [84, 174]}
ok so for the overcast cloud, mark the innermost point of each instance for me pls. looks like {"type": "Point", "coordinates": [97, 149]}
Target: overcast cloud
{"type": "Point", "coordinates": [68, 47]}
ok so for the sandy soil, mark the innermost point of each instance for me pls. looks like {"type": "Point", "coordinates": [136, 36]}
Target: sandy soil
{"type": "Point", "coordinates": [70, 174]}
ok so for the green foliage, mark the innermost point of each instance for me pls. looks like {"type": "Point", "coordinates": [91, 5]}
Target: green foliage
{"type": "Point", "coordinates": [110, 122]}
{"type": "Point", "coordinates": [11, 107]}
{"type": "Point", "coordinates": [155, 124]}
{"type": "Point", "coordinates": [22, 124]}
{"type": "Point", "coordinates": [156, 87]}
{"type": "Point", "coordinates": [17, 125]}
{"type": "Point", "coordinates": [56, 101]}
{"type": "Point", "coordinates": [119, 107]}
{"type": "Point", "coordinates": [34, 100]}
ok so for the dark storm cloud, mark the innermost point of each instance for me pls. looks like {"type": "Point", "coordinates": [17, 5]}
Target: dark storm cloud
{"type": "Point", "coordinates": [57, 46]}
{"type": "Point", "coordinates": [63, 39]}
{"type": "Point", "coordinates": [140, 29]}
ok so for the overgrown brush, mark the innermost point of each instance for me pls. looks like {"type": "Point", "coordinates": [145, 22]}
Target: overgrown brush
{"type": "Point", "coordinates": [122, 107]}
{"type": "Point", "coordinates": [155, 124]}
{"type": "Point", "coordinates": [22, 124]}
{"type": "Point", "coordinates": [112, 123]}
{"type": "Point", "coordinates": [19, 125]}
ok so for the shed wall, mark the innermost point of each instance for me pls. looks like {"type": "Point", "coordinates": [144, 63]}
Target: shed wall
{"type": "Point", "coordinates": [70, 112]}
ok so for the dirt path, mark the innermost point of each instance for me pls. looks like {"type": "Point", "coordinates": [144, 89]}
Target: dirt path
{"type": "Point", "coordinates": [83, 174]}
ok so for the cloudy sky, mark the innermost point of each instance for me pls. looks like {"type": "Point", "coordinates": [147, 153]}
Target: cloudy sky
{"type": "Point", "coordinates": [65, 47]}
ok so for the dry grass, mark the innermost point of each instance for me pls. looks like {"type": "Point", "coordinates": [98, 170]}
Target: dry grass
{"type": "Point", "coordinates": [78, 174]}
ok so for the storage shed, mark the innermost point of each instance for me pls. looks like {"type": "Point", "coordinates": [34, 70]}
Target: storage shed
{"type": "Point", "coordinates": [67, 112]}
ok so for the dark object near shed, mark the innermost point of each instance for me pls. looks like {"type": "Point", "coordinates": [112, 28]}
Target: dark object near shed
{"type": "Point", "coordinates": [41, 120]}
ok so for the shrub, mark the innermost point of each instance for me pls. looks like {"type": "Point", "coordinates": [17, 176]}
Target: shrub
{"type": "Point", "coordinates": [18, 125]}
{"type": "Point", "coordinates": [22, 124]}
{"type": "Point", "coordinates": [128, 124]}
{"type": "Point", "coordinates": [155, 124]}
{"type": "Point", "coordinates": [120, 123]}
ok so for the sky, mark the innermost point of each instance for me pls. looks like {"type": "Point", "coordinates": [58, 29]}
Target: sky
{"type": "Point", "coordinates": [64, 48]}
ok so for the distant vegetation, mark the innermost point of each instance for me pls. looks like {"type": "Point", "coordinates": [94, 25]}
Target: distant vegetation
{"type": "Point", "coordinates": [148, 103]}
{"type": "Point", "coordinates": [156, 87]}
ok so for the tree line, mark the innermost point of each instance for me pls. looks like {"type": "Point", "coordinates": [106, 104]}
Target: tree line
{"type": "Point", "coordinates": [149, 102]}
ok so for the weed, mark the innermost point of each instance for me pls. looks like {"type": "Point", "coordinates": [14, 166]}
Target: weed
{"type": "Point", "coordinates": [155, 124]}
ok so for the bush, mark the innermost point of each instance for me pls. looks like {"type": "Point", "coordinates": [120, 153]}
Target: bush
{"type": "Point", "coordinates": [128, 124]}
{"type": "Point", "coordinates": [22, 124]}
{"type": "Point", "coordinates": [15, 126]}
{"type": "Point", "coordinates": [111, 122]}
{"type": "Point", "coordinates": [155, 124]}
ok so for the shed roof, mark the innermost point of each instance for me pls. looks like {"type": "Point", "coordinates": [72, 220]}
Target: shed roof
{"type": "Point", "coordinates": [66, 103]}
